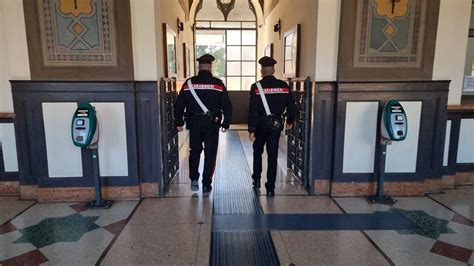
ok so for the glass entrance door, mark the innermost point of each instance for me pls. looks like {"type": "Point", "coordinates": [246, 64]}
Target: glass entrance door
{"type": "Point", "coordinates": [235, 50]}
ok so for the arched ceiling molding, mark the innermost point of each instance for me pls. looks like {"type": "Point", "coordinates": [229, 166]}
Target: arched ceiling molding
{"type": "Point", "coordinates": [225, 8]}
{"type": "Point", "coordinates": [184, 7]}
{"type": "Point", "coordinates": [196, 4]}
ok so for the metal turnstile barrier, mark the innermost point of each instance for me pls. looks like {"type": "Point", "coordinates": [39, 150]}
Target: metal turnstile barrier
{"type": "Point", "coordinates": [169, 133]}
{"type": "Point", "coordinates": [299, 136]}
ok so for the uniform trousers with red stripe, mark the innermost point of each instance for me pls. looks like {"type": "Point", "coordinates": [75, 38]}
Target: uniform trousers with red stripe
{"type": "Point", "coordinates": [202, 131]}
{"type": "Point", "coordinates": [270, 138]}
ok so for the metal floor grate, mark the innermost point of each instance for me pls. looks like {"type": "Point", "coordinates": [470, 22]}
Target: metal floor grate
{"type": "Point", "coordinates": [243, 248]}
{"type": "Point", "coordinates": [233, 195]}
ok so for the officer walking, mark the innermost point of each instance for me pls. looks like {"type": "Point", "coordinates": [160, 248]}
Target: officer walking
{"type": "Point", "coordinates": [269, 98]}
{"type": "Point", "coordinates": [205, 100]}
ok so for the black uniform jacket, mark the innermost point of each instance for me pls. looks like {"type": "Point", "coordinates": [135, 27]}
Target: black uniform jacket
{"type": "Point", "coordinates": [212, 93]}
{"type": "Point", "coordinates": [279, 98]}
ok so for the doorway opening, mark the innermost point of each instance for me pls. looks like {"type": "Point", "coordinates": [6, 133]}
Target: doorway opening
{"type": "Point", "coordinates": [231, 36]}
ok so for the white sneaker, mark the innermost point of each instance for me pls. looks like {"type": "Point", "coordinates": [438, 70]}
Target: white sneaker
{"type": "Point", "coordinates": [194, 186]}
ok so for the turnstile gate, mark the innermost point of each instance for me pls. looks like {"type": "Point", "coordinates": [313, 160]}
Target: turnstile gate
{"type": "Point", "coordinates": [299, 136]}
{"type": "Point", "coordinates": [169, 133]}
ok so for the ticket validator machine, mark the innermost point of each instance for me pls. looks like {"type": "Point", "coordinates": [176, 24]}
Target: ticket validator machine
{"type": "Point", "coordinates": [393, 127]}
{"type": "Point", "coordinates": [85, 134]}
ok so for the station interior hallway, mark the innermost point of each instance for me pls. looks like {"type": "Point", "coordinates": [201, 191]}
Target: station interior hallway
{"type": "Point", "coordinates": [234, 226]}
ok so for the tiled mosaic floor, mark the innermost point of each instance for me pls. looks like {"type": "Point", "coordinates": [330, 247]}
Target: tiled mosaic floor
{"type": "Point", "coordinates": [177, 230]}
{"type": "Point", "coordinates": [444, 237]}
{"type": "Point", "coordinates": [61, 233]}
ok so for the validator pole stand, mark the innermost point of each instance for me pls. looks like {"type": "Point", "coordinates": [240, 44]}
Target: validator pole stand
{"type": "Point", "coordinates": [380, 197]}
{"type": "Point", "coordinates": [98, 203]}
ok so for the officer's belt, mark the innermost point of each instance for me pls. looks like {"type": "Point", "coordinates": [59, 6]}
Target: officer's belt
{"type": "Point", "coordinates": [194, 114]}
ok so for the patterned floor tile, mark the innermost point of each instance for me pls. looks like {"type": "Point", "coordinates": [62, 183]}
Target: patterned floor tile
{"type": "Point", "coordinates": [429, 226]}
{"type": "Point", "coordinates": [119, 211]}
{"type": "Point", "coordinates": [7, 228]}
{"type": "Point", "coordinates": [59, 229]}
{"type": "Point", "coordinates": [330, 248]}
{"type": "Point", "coordinates": [460, 200]}
{"type": "Point", "coordinates": [155, 244]}
{"type": "Point", "coordinates": [458, 218]}
{"type": "Point", "coordinates": [65, 233]}
{"type": "Point", "coordinates": [115, 228]}
{"type": "Point", "coordinates": [12, 206]}
{"type": "Point", "coordinates": [464, 236]}
{"type": "Point", "coordinates": [359, 205]}
{"type": "Point", "coordinates": [79, 207]}
{"type": "Point", "coordinates": [424, 204]}
{"type": "Point", "coordinates": [40, 212]}
{"type": "Point", "coordinates": [452, 251]}
{"type": "Point", "coordinates": [86, 251]}
{"type": "Point", "coordinates": [34, 257]}
{"type": "Point", "coordinates": [408, 249]}
{"type": "Point", "coordinates": [8, 249]}
{"type": "Point", "coordinates": [298, 204]}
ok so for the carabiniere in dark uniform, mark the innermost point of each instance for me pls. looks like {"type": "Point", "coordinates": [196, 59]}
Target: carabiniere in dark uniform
{"type": "Point", "coordinates": [203, 127]}
{"type": "Point", "coordinates": [266, 129]}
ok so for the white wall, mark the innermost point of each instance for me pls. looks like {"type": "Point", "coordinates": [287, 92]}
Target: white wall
{"type": "Point", "coordinates": [359, 137]}
{"type": "Point", "coordinates": [8, 146]}
{"type": "Point", "coordinates": [143, 39]}
{"type": "Point", "coordinates": [466, 143]}
{"type": "Point", "coordinates": [14, 64]}
{"type": "Point", "coordinates": [113, 155]}
{"type": "Point", "coordinates": [167, 11]}
{"type": "Point", "coordinates": [446, 143]}
{"type": "Point", "coordinates": [292, 12]}
{"type": "Point", "coordinates": [327, 40]}
{"type": "Point", "coordinates": [14, 52]}
{"type": "Point", "coordinates": [469, 57]}
{"type": "Point", "coordinates": [451, 45]}
{"type": "Point", "coordinates": [64, 159]}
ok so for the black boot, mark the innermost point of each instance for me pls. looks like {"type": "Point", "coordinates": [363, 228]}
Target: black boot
{"type": "Point", "coordinates": [256, 183]}
{"type": "Point", "coordinates": [206, 190]}
{"type": "Point", "coordinates": [270, 193]}
{"type": "Point", "coordinates": [270, 190]}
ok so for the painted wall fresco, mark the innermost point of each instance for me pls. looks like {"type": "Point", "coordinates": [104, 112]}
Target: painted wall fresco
{"type": "Point", "coordinates": [389, 33]}
{"type": "Point", "coordinates": [77, 32]}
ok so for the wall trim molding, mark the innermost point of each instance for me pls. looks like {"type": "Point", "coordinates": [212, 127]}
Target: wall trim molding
{"type": "Point", "coordinates": [330, 100]}
{"type": "Point", "coordinates": [28, 97]}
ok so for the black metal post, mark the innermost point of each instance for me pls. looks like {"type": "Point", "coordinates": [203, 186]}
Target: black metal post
{"type": "Point", "coordinates": [380, 197]}
{"type": "Point", "coordinates": [98, 202]}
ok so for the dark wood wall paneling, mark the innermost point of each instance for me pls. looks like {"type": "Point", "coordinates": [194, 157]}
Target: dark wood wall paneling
{"type": "Point", "coordinates": [455, 115]}
{"type": "Point", "coordinates": [6, 118]}
{"type": "Point", "coordinates": [148, 132]}
{"type": "Point", "coordinates": [324, 96]}
{"type": "Point", "coordinates": [240, 106]}
{"type": "Point", "coordinates": [329, 126]}
{"type": "Point", "coordinates": [123, 70]}
{"type": "Point", "coordinates": [28, 97]}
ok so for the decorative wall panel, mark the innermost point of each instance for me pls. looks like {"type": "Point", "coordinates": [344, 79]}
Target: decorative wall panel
{"type": "Point", "coordinates": [77, 32]}
{"type": "Point", "coordinates": [389, 33]}
{"type": "Point", "coordinates": [79, 39]}
{"type": "Point", "coordinates": [387, 39]}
